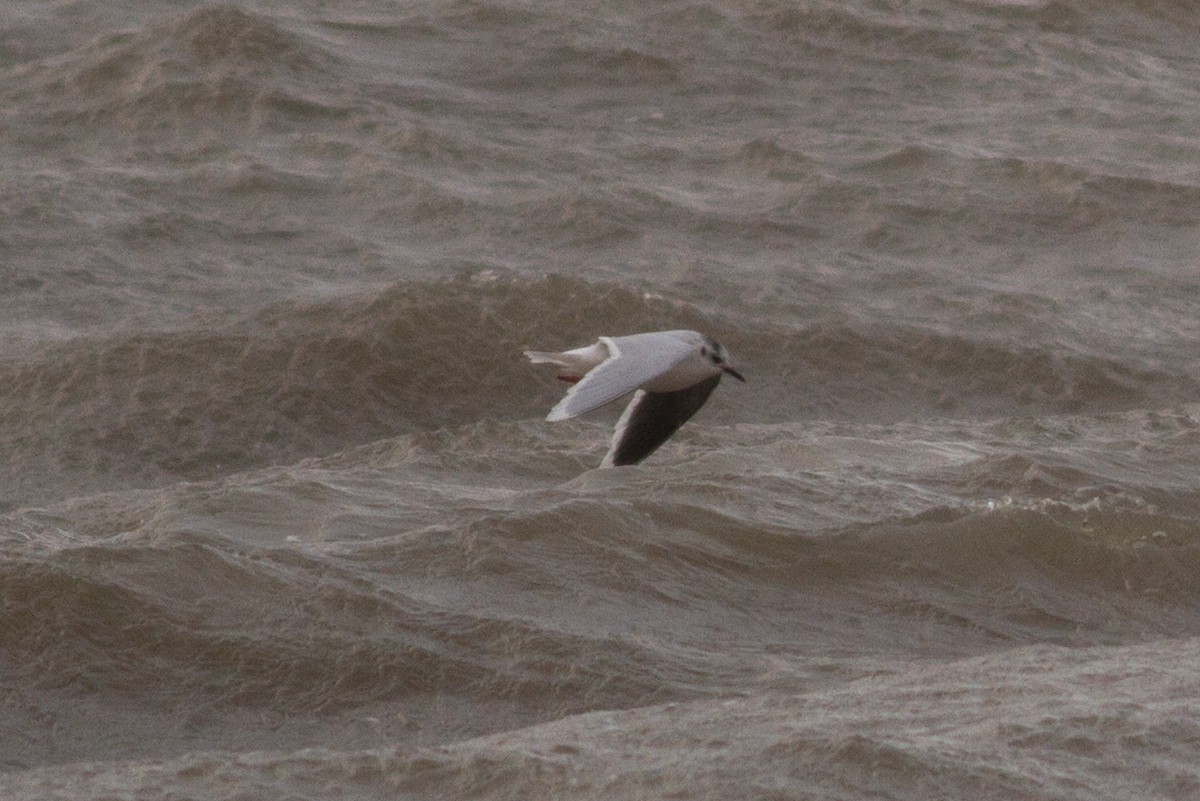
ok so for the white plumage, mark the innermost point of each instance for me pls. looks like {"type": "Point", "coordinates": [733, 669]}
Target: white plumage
{"type": "Point", "coordinates": [672, 373]}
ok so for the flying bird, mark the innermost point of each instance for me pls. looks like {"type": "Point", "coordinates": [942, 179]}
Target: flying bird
{"type": "Point", "coordinates": [673, 373]}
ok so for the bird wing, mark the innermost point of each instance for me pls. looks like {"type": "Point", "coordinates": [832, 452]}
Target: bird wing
{"type": "Point", "coordinates": [651, 418]}
{"type": "Point", "coordinates": [631, 362]}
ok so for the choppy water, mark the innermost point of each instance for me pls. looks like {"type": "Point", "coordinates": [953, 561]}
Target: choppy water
{"type": "Point", "coordinates": [280, 514]}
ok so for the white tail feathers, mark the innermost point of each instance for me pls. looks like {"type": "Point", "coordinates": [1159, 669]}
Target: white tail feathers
{"type": "Point", "coordinates": [545, 357]}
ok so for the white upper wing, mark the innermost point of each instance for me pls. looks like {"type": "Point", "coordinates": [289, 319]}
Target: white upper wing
{"type": "Point", "coordinates": [632, 361]}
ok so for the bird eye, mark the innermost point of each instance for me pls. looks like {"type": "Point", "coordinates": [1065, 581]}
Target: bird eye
{"type": "Point", "coordinates": [703, 351]}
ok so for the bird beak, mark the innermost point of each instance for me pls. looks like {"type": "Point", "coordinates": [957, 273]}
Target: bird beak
{"type": "Point", "coordinates": [734, 373]}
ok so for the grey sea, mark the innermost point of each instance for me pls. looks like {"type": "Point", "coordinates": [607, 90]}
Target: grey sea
{"type": "Point", "coordinates": [280, 513]}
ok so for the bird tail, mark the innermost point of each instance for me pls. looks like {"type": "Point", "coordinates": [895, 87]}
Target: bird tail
{"type": "Point", "coordinates": [568, 372]}
{"type": "Point", "coordinates": [545, 357]}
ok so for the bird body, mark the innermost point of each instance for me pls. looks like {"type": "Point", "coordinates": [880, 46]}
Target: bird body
{"type": "Point", "coordinates": [672, 373]}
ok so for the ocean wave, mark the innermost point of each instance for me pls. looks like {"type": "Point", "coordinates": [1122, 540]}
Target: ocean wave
{"type": "Point", "coordinates": [572, 67]}
{"type": "Point", "coordinates": [249, 593]}
{"type": "Point", "coordinates": [1039, 721]}
{"type": "Point", "coordinates": [1026, 195]}
{"type": "Point", "coordinates": [218, 65]}
{"type": "Point", "coordinates": [1047, 573]}
{"type": "Point", "coordinates": [197, 616]}
{"type": "Point", "coordinates": [477, 578]}
{"type": "Point", "coordinates": [300, 379]}
{"type": "Point", "coordinates": [305, 378]}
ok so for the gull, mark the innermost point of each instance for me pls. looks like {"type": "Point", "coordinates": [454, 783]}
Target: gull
{"type": "Point", "coordinates": [673, 373]}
